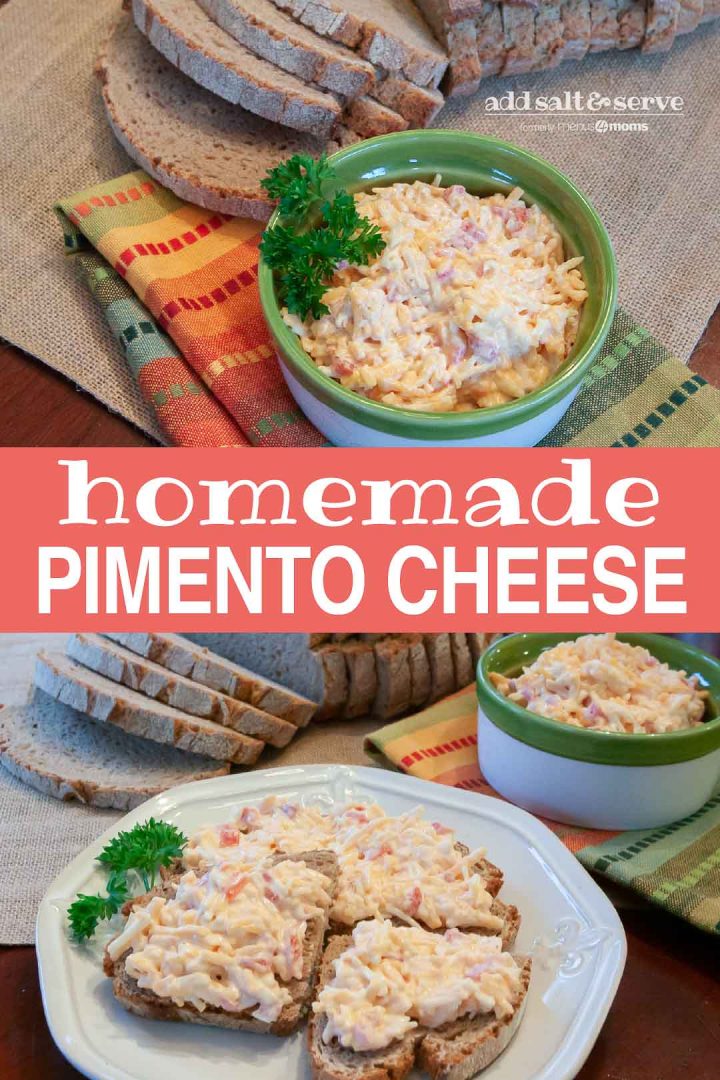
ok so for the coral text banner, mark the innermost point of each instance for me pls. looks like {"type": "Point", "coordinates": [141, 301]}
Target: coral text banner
{"type": "Point", "coordinates": [359, 540]}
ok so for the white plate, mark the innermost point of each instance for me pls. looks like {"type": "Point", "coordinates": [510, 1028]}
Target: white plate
{"type": "Point", "coordinates": [568, 925]}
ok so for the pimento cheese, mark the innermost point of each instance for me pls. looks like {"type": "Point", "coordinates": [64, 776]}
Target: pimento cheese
{"type": "Point", "coordinates": [230, 938]}
{"type": "Point", "coordinates": [403, 866]}
{"type": "Point", "coordinates": [472, 303]}
{"type": "Point", "coordinates": [392, 979]}
{"type": "Point", "coordinates": [601, 683]}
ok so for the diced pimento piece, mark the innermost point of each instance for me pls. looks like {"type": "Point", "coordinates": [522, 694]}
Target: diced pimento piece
{"type": "Point", "coordinates": [384, 849]}
{"type": "Point", "coordinates": [234, 890]}
{"type": "Point", "coordinates": [414, 900]}
{"type": "Point", "coordinates": [228, 836]}
{"type": "Point", "coordinates": [440, 829]}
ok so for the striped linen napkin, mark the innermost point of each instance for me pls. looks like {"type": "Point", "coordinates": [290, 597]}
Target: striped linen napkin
{"type": "Point", "coordinates": [178, 287]}
{"type": "Point", "coordinates": [676, 867]}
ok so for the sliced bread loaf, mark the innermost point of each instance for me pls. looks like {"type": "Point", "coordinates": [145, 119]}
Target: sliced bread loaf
{"type": "Point", "coordinates": [200, 147]}
{"type": "Point", "coordinates": [106, 701]}
{"type": "Point", "coordinates": [193, 658]}
{"type": "Point", "coordinates": [186, 36]}
{"type": "Point", "coordinates": [390, 33]}
{"type": "Point", "coordinates": [59, 752]}
{"type": "Point", "coordinates": [144, 1002]}
{"type": "Point", "coordinates": [115, 662]}
{"type": "Point", "coordinates": [276, 36]}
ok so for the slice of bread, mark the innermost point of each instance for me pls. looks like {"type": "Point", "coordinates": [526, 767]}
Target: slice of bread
{"type": "Point", "coordinates": [186, 36]}
{"type": "Point", "coordinates": [335, 682]}
{"type": "Point", "coordinates": [194, 658]}
{"type": "Point", "coordinates": [112, 660]}
{"type": "Point", "coordinates": [442, 673]}
{"type": "Point", "coordinates": [420, 677]}
{"type": "Point", "coordinates": [462, 660]}
{"type": "Point", "coordinates": [491, 38]}
{"type": "Point", "coordinates": [390, 33]}
{"type": "Point", "coordinates": [362, 678]}
{"type": "Point", "coordinates": [331, 1061]}
{"type": "Point", "coordinates": [631, 21]}
{"type": "Point", "coordinates": [106, 701]}
{"type": "Point", "coordinates": [394, 687]}
{"type": "Point", "coordinates": [278, 38]}
{"type": "Point", "coordinates": [456, 1051]}
{"type": "Point", "coordinates": [660, 25]}
{"type": "Point", "coordinates": [149, 1005]}
{"type": "Point", "coordinates": [59, 752]}
{"type": "Point", "coordinates": [419, 105]}
{"type": "Point", "coordinates": [203, 149]}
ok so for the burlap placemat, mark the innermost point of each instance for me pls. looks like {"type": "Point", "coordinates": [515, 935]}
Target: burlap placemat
{"type": "Point", "coordinates": [39, 836]}
{"type": "Point", "coordinates": [658, 191]}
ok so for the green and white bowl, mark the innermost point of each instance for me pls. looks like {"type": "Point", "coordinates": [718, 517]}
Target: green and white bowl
{"type": "Point", "coordinates": [596, 779]}
{"type": "Point", "coordinates": [483, 165]}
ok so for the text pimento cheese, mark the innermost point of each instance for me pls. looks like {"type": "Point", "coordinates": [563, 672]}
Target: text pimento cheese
{"type": "Point", "coordinates": [471, 303]}
{"type": "Point", "coordinates": [599, 682]}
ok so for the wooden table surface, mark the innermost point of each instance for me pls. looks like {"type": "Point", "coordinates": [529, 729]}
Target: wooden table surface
{"type": "Point", "coordinates": [39, 407]}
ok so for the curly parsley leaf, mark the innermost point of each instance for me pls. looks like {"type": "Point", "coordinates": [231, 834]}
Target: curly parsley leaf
{"type": "Point", "coordinates": [305, 261]}
{"type": "Point", "coordinates": [86, 912]}
{"type": "Point", "coordinates": [144, 849]}
{"type": "Point", "coordinates": [297, 183]}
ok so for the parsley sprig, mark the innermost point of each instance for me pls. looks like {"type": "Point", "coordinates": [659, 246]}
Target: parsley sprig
{"type": "Point", "coordinates": [142, 851]}
{"type": "Point", "coordinates": [306, 260]}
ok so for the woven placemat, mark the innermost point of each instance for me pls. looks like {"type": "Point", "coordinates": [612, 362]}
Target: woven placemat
{"type": "Point", "coordinates": [658, 191]}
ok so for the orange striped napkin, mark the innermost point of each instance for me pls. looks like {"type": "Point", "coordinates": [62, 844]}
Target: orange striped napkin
{"type": "Point", "coordinates": [178, 285]}
{"type": "Point", "coordinates": [676, 867]}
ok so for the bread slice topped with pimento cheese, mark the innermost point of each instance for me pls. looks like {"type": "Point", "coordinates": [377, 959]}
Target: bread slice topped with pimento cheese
{"type": "Point", "coordinates": [391, 997]}
{"type": "Point", "coordinates": [233, 946]}
{"type": "Point", "coordinates": [403, 868]}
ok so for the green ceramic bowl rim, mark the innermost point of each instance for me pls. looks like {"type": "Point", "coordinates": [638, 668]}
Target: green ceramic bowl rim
{"type": "Point", "coordinates": [448, 426]}
{"type": "Point", "coordinates": [598, 747]}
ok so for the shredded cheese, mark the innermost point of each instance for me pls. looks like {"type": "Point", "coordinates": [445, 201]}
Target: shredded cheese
{"type": "Point", "coordinates": [471, 304]}
{"type": "Point", "coordinates": [392, 979]}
